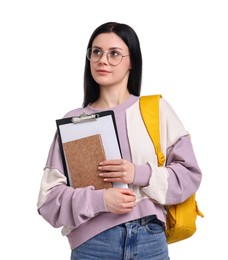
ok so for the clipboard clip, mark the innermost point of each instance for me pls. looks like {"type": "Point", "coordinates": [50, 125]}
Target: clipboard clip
{"type": "Point", "coordinates": [83, 117]}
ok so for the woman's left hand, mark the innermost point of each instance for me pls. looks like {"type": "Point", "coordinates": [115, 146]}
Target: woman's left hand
{"type": "Point", "coordinates": [119, 170]}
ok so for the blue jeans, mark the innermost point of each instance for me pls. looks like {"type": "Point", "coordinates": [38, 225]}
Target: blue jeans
{"type": "Point", "coordinates": [135, 240]}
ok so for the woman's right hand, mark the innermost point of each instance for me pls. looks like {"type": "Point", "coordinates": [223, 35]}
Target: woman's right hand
{"type": "Point", "coordinates": [119, 201]}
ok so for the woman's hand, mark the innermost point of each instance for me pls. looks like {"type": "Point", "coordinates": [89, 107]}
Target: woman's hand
{"type": "Point", "coordinates": [117, 171]}
{"type": "Point", "coordinates": [119, 201]}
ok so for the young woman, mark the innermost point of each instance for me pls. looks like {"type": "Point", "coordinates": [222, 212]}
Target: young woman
{"type": "Point", "coordinates": [121, 223]}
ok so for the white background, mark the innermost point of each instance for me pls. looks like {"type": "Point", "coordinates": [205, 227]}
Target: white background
{"type": "Point", "coordinates": [42, 54]}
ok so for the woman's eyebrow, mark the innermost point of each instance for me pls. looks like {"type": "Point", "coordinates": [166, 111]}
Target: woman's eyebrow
{"type": "Point", "coordinates": [111, 48]}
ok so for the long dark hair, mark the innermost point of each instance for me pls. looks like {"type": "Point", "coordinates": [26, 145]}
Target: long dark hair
{"type": "Point", "coordinates": [130, 38]}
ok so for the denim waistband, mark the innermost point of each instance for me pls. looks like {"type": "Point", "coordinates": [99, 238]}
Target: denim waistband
{"type": "Point", "coordinates": [143, 221]}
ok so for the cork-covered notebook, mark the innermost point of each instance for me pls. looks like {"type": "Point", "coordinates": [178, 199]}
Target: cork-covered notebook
{"type": "Point", "coordinates": [83, 157]}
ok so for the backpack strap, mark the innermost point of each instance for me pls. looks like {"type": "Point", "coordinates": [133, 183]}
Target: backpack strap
{"type": "Point", "coordinates": [149, 107]}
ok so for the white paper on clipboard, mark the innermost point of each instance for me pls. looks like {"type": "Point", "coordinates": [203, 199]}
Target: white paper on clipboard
{"type": "Point", "coordinates": [102, 123]}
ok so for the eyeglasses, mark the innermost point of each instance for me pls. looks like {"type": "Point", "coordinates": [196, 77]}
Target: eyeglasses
{"type": "Point", "coordinates": [114, 57]}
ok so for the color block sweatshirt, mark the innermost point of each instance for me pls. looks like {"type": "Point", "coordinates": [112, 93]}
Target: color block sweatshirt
{"type": "Point", "coordinates": [82, 212]}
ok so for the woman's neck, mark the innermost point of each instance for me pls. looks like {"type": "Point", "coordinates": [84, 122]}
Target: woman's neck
{"type": "Point", "coordinates": [110, 99]}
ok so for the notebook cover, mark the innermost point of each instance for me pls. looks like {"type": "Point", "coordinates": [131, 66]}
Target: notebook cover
{"type": "Point", "coordinates": [83, 157]}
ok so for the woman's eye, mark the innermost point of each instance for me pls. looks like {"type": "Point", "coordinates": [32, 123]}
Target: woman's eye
{"type": "Point", "coordinates": [114, 53]}
{"type": "Point", "coordinates": [97, 52]}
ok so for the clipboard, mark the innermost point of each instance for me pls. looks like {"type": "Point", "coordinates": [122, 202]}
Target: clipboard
{"type": "Point", "coordinates": [86, 140]}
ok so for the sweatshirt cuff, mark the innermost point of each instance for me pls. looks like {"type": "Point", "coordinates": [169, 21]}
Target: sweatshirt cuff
{"type": "Point", "coordinates": [99, 206]}
{"type": "Point", "coordinates": [142, 174]}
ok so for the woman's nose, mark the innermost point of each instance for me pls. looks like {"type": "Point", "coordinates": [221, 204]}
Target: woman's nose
{"type": "Point", "coordinates": [104, 58]}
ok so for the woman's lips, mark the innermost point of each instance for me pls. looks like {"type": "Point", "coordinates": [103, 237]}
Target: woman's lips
{"type": "Point", "coordinates": [100, 71]}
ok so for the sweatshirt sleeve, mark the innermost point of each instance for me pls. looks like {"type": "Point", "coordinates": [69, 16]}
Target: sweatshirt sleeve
{"type": "Point", "coordinates": [184, 172]}
{"type": "Point", "coordinates": [61, 205]}
{"type": "Point", "coordinates": [181, 175]}
{"type": "Point", "coordinates": [142, 174]}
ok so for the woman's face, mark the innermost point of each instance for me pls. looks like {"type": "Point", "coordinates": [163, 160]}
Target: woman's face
{"type": "Point", "coordinates": [104, 73]}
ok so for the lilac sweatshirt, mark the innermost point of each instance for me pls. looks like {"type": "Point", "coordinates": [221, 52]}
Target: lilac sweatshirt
{"type": "Point", "coordinates": [82, 212]}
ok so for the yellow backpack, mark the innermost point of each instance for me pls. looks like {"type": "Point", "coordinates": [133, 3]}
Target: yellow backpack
{"type": "Point", "coordinates": [181, 218]}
